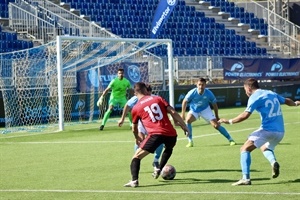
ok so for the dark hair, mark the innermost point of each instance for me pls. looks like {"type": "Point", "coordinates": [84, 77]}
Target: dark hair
{"type": "Point", "coordinates": [149, 88]}
{"type": "Point", "coordinates": [203, 80]}
{"type": "Point", "coordinates": [252, 83]}
{"type": "Point", "coordinates": [120, 70]}
{"type": "Point", "coordinates": [140, 88]}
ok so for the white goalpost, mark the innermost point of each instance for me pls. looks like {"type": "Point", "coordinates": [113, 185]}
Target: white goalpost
{"type": "Point", "coordinates": [57, 84]}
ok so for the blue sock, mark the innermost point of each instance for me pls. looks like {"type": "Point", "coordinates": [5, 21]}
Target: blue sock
{"type": "Point", "coordinates": [157, 152]}
{"type": "Point", "coordinates": [224, 132]}
{"type": "Point", "coordinates": [270, 156]}
{"type": "Point", "coordinates": [245, 164]}
{"type": "Point", "coordinates": [191, 132]}
{"type": "Point", "coordinates": [135, 147]}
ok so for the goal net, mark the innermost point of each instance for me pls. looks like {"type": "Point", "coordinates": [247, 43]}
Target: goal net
{"type": "Point", "coordinates": [58, 84]}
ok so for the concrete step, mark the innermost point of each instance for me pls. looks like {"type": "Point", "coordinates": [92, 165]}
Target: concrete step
{"type": "Point", "coordinates": [231, 23]}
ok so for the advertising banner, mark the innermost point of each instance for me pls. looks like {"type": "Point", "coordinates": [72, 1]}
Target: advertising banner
{"type": "Point", "coordinates": [162, 13]}
{"type": "Point", "coordinates": [261, 68]}
{"type": "Point", "coordinates": [99, 78]}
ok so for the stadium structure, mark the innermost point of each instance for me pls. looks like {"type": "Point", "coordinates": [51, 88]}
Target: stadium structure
{"type": "Point", "coordinates": [48, 56]}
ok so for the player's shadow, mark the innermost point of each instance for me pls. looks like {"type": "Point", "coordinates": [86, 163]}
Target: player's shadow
{"type": "Point", "coordinates": [208, 171]}
{"type": "Point", "coordinates": [280, 182]}
{"type": "Point", "coordinates": [187, 181]}
{"type": "Point", "coordinates": [295, 181]}
{"type": "Point", "coordinates": [284, 143]}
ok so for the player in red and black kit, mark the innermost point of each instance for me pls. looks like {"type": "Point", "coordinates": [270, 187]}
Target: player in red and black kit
{"type": "Point", "coordinates": [153, 113]}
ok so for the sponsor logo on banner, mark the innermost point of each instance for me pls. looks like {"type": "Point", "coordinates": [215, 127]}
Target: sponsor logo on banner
{"type": "Point", "coordinates": [276, 67]}
{"type": "Point", "coordinates": [80, 105]}
{"type": "Point", "coordinates": [261, 68]}
{"type": "Point", "coordinates": [162, 13]}
{"type": "Point", "coordinates": [134, 73]}
{"type": "Point", "coordinates": [237, 70]}
{"type": "Point", "coordinates": [276, 71]}
{"type": "Point", "coordinates": [237, 67]}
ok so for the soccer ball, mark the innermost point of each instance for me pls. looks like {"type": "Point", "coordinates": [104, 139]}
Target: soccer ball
{"type": "Point", "coordinates": [168, 172]}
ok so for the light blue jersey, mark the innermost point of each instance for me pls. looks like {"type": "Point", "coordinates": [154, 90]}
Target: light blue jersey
{"type": "Point", "coordinates": [267, 103]}
{"type": "Point", "coordinates": [199, 102]}
{"type": "Point", "coordinates": [132, 101]}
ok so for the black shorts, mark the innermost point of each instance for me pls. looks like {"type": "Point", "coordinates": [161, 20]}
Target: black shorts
{"type": "Point", "coordinates": [151, 142]}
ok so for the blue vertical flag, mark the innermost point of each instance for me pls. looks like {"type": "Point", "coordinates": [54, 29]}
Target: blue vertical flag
{"type": "Point", "coordinates": [162, 13]}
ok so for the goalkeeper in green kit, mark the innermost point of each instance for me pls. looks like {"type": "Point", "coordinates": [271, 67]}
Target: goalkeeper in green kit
{"type": "Point", "coordinates": [118, 87]}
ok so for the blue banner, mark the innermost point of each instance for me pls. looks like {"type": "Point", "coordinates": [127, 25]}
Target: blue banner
{"type": "Point", "coordinates": [261, 68]}
{"type": "Point", "coordinates": [162, 13]}
{"type": "Point", "coordinates": [99, 78]}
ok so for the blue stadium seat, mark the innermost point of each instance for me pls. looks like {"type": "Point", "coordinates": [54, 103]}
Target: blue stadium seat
{"type": "Point", "coordinates": [204, 44]}
{"type": "Point", "coordinates": [263, 51]}
{"type": "Point", "coordinates": [238, 51]}
{"type": "Point", "coordinates": [226, 51]}
{"type": "Point", "coordinates": [191, 51]}
{"type": "Point", "coordinates": [258, 51]}
{"type": "Point", "coordinates": [217, 44]}
{"type": "Point", "coordinates": [178, 51]}
{"type": "Point", "coordinates": [188, 44]}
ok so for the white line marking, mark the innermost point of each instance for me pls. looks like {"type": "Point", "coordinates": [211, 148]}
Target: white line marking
{"type": "Point", "coordinates": [107, 141]}
{"type": "Point", "coordinates": [152, 192]}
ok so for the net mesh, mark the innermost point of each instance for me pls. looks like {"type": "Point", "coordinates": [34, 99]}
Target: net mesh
{"type": "Point", "coordinates": [29, 81]}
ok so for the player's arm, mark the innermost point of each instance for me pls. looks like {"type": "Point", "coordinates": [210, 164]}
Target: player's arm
{"type": "Point", "coordinates": [241, 117]}
{"type": "Point", "coordinates": [126, 110]}
{"type": "Point", "coordinates": [105, 92]}
{"type": "Point", "coordinates": [101, 98]}
{"type": "Point", "coordinates": [183, 108]}
{"type": "Point", "coordinates": [216, 110]}
{"type": "Point", "coordinates": [178, 120]}
{"type": "Point", "coordinates": [290, 102]}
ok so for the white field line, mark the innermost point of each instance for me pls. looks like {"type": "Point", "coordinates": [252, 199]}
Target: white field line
{"type": "Point", "coordinates": [114, 141]}
{"type": "Point", "coordinates": [151, 192]}
{"type": "Point", "coordinates": [94, 142]}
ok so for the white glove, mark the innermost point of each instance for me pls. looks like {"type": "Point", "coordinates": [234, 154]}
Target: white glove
{"type": "Point", "coordinates": [100, 101]}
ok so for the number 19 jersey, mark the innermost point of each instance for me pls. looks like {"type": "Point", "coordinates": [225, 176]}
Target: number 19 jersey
{"type": "Point", "coordinates": [152, 111]}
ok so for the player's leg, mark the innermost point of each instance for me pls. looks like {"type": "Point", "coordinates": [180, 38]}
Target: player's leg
{"type": "Point", "coordinates": [190, 118]}
{"type": "Point", "coordinates": [135, 167]}
{"type": "Point", "coordinates": [268, 150]}
{"type": "Point", "coordinates": [105, 117]}
{"type": "Point", "coordinates": [130, 119]}
{"type": "Point", "coordinates": [122, 103]}
{"type": "Point", "coordinates": [141, 135]}
{"type": "Point", "coordinates": [157, 154]}
{"type": "Point", "coordinates": [245, 161]}
{"type": "Point", "coordinates": [209, 116]}
{"type": "Point", "coordinates": [169, 143]}
{"type": "Point", "coordinates": [111, 104]}
{"type": "Point", "coordinates": [255, 140]}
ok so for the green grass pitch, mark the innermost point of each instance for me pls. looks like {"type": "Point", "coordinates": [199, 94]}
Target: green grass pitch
{"type": "Point", "coordinates": [85, 163]}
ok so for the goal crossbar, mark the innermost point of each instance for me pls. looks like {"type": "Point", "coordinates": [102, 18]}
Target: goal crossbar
{"type": "Point", "coordinates": [147, 44]}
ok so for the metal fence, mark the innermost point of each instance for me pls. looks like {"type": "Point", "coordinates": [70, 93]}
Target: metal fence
{"type": "Point", "coordinates": [282, 33]}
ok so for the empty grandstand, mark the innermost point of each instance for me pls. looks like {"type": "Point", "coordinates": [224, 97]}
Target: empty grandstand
{"type": "Point", "coordinates": [204, 34]}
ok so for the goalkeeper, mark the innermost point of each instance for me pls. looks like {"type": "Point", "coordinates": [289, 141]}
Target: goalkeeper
{"type": "Point", "coordinates": [119, 87]}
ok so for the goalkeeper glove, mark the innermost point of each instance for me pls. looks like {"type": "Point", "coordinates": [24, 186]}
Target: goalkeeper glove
{"type": "Point", "coordinates": [100, 101]}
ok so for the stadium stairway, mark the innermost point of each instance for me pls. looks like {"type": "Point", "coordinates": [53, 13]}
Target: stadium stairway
{"type": "Point", "coordinates": [252, 33]}
{"type": "Point", "coordinates": [185, 43]}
